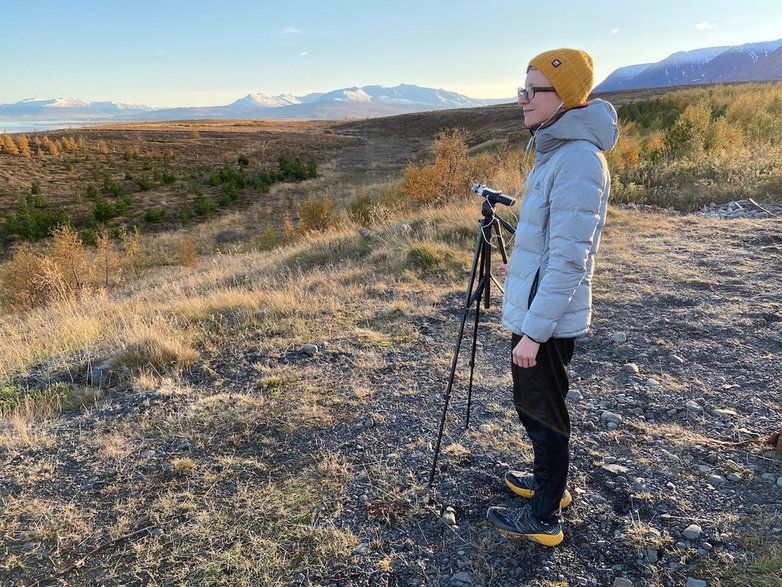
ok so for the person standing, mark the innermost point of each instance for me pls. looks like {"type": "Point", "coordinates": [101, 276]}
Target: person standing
{"type": "Point", "coordinates": [548, 300]}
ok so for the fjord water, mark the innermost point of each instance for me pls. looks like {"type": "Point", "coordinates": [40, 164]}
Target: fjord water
{"type": "Point", "coordinates": [41, 125]}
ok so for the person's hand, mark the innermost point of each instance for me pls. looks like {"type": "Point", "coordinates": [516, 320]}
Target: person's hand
{"type": "Point", "coordinates": [503, 269]}
{"type": "Point", "coordinates": [525, 352]}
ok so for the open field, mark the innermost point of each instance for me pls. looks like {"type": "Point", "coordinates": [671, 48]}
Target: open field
{"type": "Point", "coordinates": [266, 415]}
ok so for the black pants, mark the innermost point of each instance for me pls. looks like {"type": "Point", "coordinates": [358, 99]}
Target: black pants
{"type": "Point", "coordinates": [539, 397]}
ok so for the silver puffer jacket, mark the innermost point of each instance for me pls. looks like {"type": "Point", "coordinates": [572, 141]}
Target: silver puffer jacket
{"type": "Point", "coordinates": [548, 288]}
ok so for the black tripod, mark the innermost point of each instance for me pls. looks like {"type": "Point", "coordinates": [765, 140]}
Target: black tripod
{"type": "Point", "coordinates": [481, 271]}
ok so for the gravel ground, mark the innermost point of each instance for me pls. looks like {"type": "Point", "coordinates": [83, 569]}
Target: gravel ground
{"type": "Point", "coordinates": [682, 365]}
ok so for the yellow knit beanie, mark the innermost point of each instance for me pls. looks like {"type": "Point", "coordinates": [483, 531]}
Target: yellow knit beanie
{"type": "Point", "coordinates": [570, 72]}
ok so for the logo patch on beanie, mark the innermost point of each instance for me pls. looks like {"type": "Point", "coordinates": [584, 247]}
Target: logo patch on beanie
{"type": "Point", "coordinates": [556, 63]}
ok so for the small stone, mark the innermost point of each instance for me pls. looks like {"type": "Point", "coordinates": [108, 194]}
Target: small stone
{"type": "Point", "coordinates": [715, 479]}
{"type": "Point", "coordinates": [734, 477]}
{"type": "Point", "coordinates": [615, 469]}
{"type": "Point", "coordinates": [157, 532]}
{"type": "Point", "coordinates": [449, 516]}
{"type": "Point", "coordinates": [779, 482]}
{"type": "Point", "coordinates": [693, 406]}
{"type": "Point", "coordinates": [653, 533]}
{"type": "Point", "coordinates": [695, 582]}
{"type": "Point", "coordinates": [235, 467]}
{"type": "Point", "coordinates": [704, 469]}
{"type": "Point", "coordinates": [631, 368]}
{"type": "Point", "coordinates": [652, 383]}
{"type": "Point", "coordinates": [369, 422]}
{"type": "Point", "coordinates": [484, 428]}
{"type": "Point", "coordinates": [677, 360]}
{"type": "Point", "coordinates": [723, 413]}
{"type": "Point", "coordinates": [619, 338]}
{"type": "Point", "coordinates": [692, 532]}
{"type": "Point", "coordinates": [622, 582]}
{"type": "Point", "coordinates": [361, 548]}
{"type": "Point", "coordinates": [574, 395]}
{"type": "Point", "coordinates": [711, 458]}
{"type": "Point", "coordinates": [611, 417]}
{"type": "Point", "coordinates": [448, 485]}
{"type": "Point", "coordinates": [310, 349]}
{"type": "Point", "coordinates": [651, 555]}
{"type": "Point", "coordinates": [639, 485]}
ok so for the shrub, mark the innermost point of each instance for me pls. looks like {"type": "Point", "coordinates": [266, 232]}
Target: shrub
{"type": "Point", "coordinates": [362, 209]}
{"type": "Point", "coordinates": [204, 205]}
{"type": "Point", "coordinates": [424, 258]}
{"type": "Point", "coordinates": [187, 253]}
{"type": "Point", "coordinates": [153, 216]}
{"type": "Point", "coordinates": [446, 178]}
{"type": "Point", "coordinates": [316, 213]}
{"type": "Point", "coordinates": [32, 219]}
{"type": "Point", "coordinates": [144, 183]}
{"type": "Point", "coordinates": [267, 239]}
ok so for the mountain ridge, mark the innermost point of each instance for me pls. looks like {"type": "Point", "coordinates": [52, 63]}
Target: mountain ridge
{"type": "Point", "coordinates": [350, 102]}
{"type": "Point", "coordinates": [758, 61]}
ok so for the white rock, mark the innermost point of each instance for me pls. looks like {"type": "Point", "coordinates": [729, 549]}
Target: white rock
{"type": "Point", "coordinates": [619, 337]}
{"type": "Point", "coordinates": [622, 582]}
{"type": "Point", "coordinates": [631, 368]}
{"type": "Point", "coordinates": [310, 349]}
{"type": "Point", "coordinates": [693, 406]}
{"type": "Point", "coordinates": [692, 532]}
{"type": "Point", "coordinates": [615, 469]}
{"type": "Point", "coordinates": [652, 382]}
{"type": "Point", "coordinates": [449, 516]}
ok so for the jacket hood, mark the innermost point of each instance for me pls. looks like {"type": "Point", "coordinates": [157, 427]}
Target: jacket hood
{"type": "Point", "coordinates": [595, 123]}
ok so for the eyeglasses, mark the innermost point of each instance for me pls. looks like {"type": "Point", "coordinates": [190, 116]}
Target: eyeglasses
{"type": "Point", "coordinates": [529, 92]}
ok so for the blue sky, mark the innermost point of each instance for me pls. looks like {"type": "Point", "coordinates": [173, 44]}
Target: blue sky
{"type": "Point", "coordinates": [198, 53]}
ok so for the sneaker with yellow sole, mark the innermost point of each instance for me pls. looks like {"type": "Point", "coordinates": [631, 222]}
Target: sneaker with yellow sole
{"type": "Point", "coordinates": [520, 523]}
{"type": "Point", "coordinates": [522, 485]}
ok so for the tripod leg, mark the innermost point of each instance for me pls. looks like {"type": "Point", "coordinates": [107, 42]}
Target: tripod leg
{"type": "Point", "coordinates": [477, 256]}
{"type": "Point", "coordinates": [472, 357]}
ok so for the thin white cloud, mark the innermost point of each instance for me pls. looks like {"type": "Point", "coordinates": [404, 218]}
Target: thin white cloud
{"type": "Point", "coordinates": [303, 54]}
{"type": "Point", "coordinates": [291, 31]}
{"type": "Point", "coordinates": [704, 26]}
{"type": "Point", "coordinates": [614, 31]}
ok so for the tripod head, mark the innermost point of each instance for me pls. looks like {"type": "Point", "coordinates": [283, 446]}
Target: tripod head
{"type": "Point", "coordinates": [492, 196]}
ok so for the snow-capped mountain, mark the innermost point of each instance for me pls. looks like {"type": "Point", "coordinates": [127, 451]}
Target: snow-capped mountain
{"type": "Point", "coordinates": [354, 102]}
{"type": "Point", "coordinates": [265, 101]}
{"type": "Point", "coordinates": [708, 65]}
{"type": "Point", "coordinates": [67, 108]}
